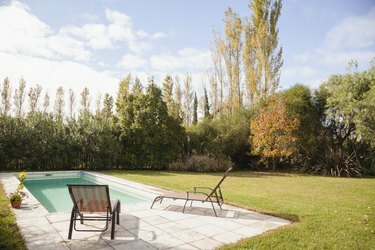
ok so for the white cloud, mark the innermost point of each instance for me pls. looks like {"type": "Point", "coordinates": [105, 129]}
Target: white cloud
{"type": "Point", "coordinates": [23, 33]}
{"type": "Point", "coordinates": [65, 45]}
{"type": "Point", "coordinates": [353, 38]}
{"type": "Point", "coordinates": [335, 58]}
{"type": "Point", "coordinates": [32, 49]}
{"type": "Point", "coordinates": [142, 34]}
{"type": "Point", "coordinates": [94, 34]}
{"type": "Point", "coordinates": [51, 74]}
{"type": "Point", "coordinates": [118, 18]}
{"type": "Point", "coordinates": [158, 35]}
{"type": "Point", "coordinates": [306, 75]}
{"type": "Point", "coordinates": [139, 46]}
{"type": "Point", "coordinates": [342, 58]}
{"type": "Point", "coordinates": [130, 62]}
{"type": "Point", "coordinates": [187, 59]}
{"type": "Point", "coordinates": [352, 32]}
{"type": "Point", "coordinates": [155, 36]}
{"type": "Point", "coordinates": [120, 29]}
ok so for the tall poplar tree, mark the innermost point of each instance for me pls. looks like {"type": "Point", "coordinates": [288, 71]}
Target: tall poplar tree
{"type": "Point", "coordinates": [5, 97]}
{"type": "Point", "coordinates": [262, 54]}
{"type": "Point", "coordinates": [217, 82]}
{"type": "Point", "coordinates": [72, 100]}
{"type": "Point", "coordinates": [206, 105]}
{"type": "Point", "coordinates": [137, 87]}
{"type": "Point", "coordinates": [19, 97]}
{"type": "Point", "coordinates": [177, 98]}
{"type": "Point", "coordinates": [34, 95]}
{"type": "Point", "coordinates": [188, 98]}
{"type": "Point", "coordinates": [107, 107]}
{"type": "Point", "coordinates": [232, 52]}
{"type": "Point", "coordinates": [123, 91]}
{"type": "Point", "coordinates": [168, 91]}
{"type": "Point", "coordinates": [59, 104]}
{"type": "Point", "coordinates": [98, 105]}
{"type": "Point", "coordinates": [46, 102]}
{"type": "Point", "coordinates": [195, 109]}
{"type": "Point", "coordinates": [85, 102]}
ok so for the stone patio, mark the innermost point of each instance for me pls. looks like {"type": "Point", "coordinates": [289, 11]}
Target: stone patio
{"type": "Point", "coordinates": [163, 227]}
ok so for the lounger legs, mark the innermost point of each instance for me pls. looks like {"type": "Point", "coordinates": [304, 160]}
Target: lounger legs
{"type": "Point", "coordinates": [185, 206]}
{"type": "Point", "coordinates": [113, 226]}
{"type": "Point", "coordinates": [114, 216]}
{"type": "Point", "coordinates": [118, 213]}
{"type": "Point", "coordinates": [159, 198]}
{"type": "Point", "coordinates": [213, 208]}
{"type": "Point", "coordinates": [71, 225]}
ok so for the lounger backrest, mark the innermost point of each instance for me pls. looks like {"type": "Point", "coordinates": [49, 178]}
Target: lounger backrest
{"type": "Point", "coordinates": [90, 198]}
{"type": "Point", "coordinates": [222, 179]}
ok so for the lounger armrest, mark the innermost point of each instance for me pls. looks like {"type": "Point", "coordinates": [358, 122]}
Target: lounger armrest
{"type": "Point", "coordinates": [195, 192]}
{"type": "Point", "coordinates": [195, 188]}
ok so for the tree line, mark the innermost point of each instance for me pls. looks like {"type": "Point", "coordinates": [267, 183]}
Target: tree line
{"type": "Point", "coordinates": [327, 131]}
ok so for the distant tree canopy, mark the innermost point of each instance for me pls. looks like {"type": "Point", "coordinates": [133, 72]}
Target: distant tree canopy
{"type": "Point", "coordinates": [149, 135]}
{"type": "Point", "coordinates": [347, 124]}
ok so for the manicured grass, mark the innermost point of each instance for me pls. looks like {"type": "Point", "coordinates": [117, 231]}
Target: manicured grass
{"type": "Point", "coordinates": [10, 237]}
{"type": "Point", "coordinates": [330, 213]}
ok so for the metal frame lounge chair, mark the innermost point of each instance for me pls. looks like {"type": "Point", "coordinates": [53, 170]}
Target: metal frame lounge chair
{"type": "Point", "coordinates": [93, 199]}
{"type": "Point", "coordinates": [214, 195]}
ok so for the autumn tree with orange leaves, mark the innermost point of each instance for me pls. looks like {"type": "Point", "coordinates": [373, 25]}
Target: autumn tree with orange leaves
{"type": "Point", "coordinates": [272, 132]}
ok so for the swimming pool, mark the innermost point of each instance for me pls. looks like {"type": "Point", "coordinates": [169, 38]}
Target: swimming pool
{"type": "Point", "coordinates": [51, 191]}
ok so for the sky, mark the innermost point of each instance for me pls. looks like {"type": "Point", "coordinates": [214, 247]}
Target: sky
{"type": "Point", "coordinates": [96, 43]}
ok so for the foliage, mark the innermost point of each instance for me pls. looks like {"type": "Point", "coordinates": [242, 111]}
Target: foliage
{"type": "Point", "coordinates": [195, 109]}
{"type": "Point", "coordinates": [10, 238]}
{"type": "Point", "coordinates": [15, 197]}
{"type": "Point", "coordinates": [201, 163]}
{"type": "Point", "coordinates": [188, 95]}
{"type": "Point", "coordinates": [272, 132]}
{"type": "Point", "coordinates": [262, 55]}
{"type": "Point", "coordinates": [18, 195]}
{"type": "Point", "coordinates": [225, 136]}
{"type": "Point", "coordinates": [231, 48]}
{"type": "Point", "coordinates": [335, 136]}
{"type": "Point", "coordinates": [5, 97]}
{"type": "Point", "coordinates": [344, 139]}
{"type": "Point", "coordinates": [150, 137]}
{"type": "Point", "coordinates": [300, 104]}
{"type": "Point", "coordinates": [206, 105]}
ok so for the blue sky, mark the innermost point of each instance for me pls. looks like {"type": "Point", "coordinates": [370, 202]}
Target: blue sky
{"type": "Point", "coordinates": [96, 43]}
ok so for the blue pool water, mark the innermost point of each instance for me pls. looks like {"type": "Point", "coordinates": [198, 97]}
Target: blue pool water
{"type": "Point", "coordinates": [53, 193]}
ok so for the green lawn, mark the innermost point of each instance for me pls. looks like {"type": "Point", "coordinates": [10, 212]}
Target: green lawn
{"type": "Point", "coordinates": [10, 238]}
{"type": "Point", "coordinates": [330, 213]}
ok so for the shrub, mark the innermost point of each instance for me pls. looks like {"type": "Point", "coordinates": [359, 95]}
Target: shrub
{"type": "Point", "coordinates": [201, 163]}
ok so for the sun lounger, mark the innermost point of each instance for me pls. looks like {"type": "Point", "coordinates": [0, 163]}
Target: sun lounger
{"type": "Point", "coordinates": [201, 194]}
{"type": "Point", "coordinates": [93, 199]}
